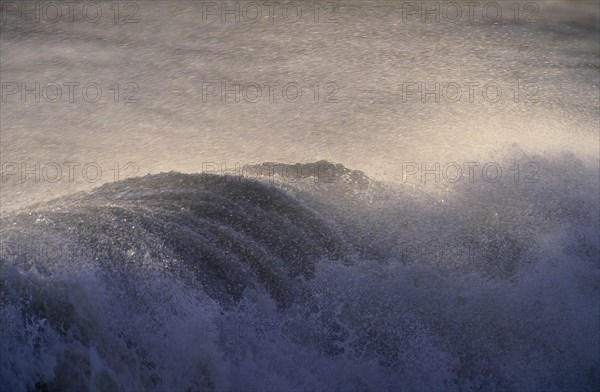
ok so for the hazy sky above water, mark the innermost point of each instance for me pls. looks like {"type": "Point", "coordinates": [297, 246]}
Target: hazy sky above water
{"type": "Point", "coordinates": [363, 57]}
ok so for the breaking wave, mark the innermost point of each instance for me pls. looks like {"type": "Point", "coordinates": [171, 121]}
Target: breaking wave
{"type": "Point", "coordinates": [323, 279]}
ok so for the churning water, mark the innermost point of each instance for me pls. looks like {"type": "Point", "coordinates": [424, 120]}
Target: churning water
{"type": "Point", "coordinates": [441, 231]}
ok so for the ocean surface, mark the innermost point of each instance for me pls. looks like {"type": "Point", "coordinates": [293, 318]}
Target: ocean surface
{"type": "Point", "coordinates": [300, 196]}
